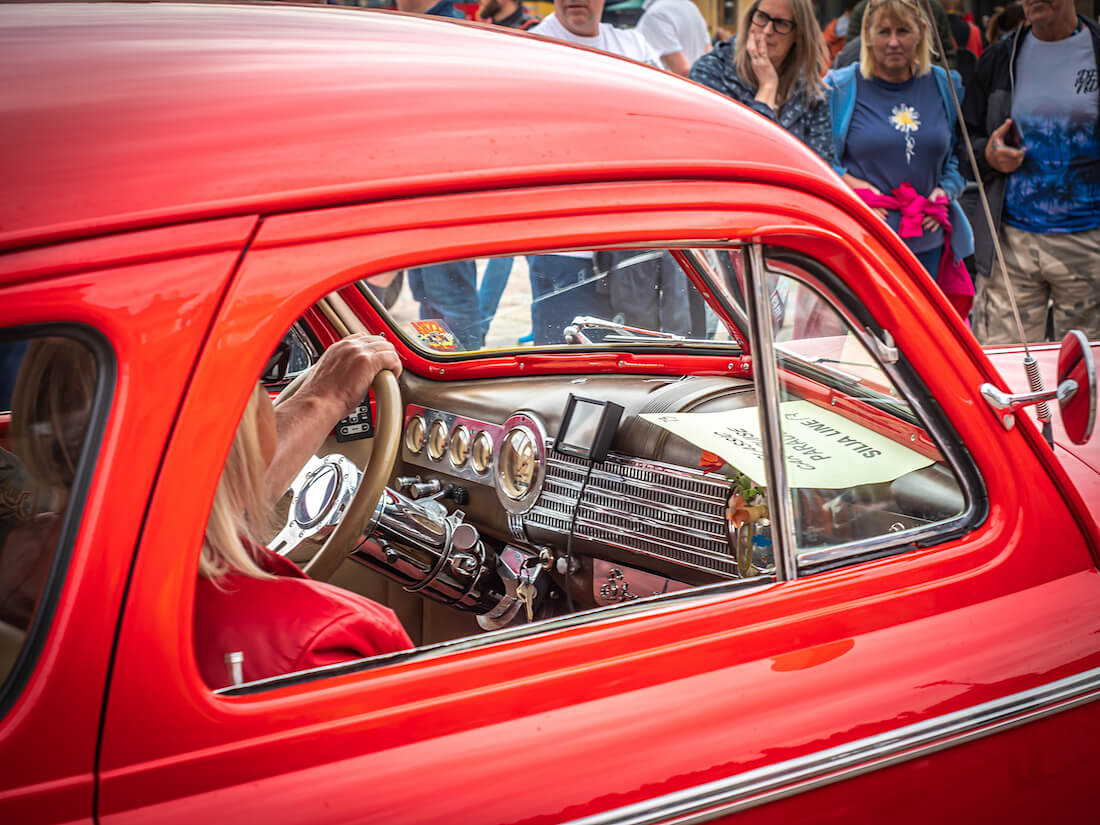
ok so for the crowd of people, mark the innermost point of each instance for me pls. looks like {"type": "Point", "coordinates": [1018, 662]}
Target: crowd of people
{"type": "Point", "coordinates": [873, 94]}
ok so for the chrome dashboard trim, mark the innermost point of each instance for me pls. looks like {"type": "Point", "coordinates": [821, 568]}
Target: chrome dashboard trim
{"type": "Point", "coordinates": [536, 431]}
{"type": "Point", "coordinates": [790, 777]}
{"type": "Point", "coordinates": [451, 423]}
{"type": "Point", "coordinates": [642, 506]}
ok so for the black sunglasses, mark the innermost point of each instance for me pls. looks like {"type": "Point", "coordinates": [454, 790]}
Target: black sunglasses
{"type": "Point", "coordinates": [277, 365]}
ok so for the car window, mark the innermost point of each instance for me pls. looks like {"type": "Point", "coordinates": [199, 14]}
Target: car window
{"type": "Point", "coordinates": [49, 385]}
{"type": "Point", "coordinates": [569, 297]}
{"type": "Point", "coordinates": [863, 463]}
{"type": "Point", "coordinates": [525, 499]}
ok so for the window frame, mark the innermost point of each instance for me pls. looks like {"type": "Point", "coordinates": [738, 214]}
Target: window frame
{"type": "Point", "coordinates": [831, 289]}
{"type": "Point", "coordinates": [11, 688]}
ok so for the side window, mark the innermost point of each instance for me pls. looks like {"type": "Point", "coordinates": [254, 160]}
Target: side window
{"type": "Point", "coordinates": [295, 354]}
{"type": "Point", "coordinates": [861, 461]}
{"type": "Point", "coordinates": [48, 390]}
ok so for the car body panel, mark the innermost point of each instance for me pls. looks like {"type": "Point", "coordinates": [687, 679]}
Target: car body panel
{"type": "Point", "coordinates": [153, 341]}
{"type": "Point", "coordinates": [267, 165]}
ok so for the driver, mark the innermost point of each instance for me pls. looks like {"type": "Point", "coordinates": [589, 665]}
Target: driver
{"type": "Point", "coordinates": [256, 613]}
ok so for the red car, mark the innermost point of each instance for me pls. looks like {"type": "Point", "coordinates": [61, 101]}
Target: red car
{"type": "Point", "coordinates": [753, 529]}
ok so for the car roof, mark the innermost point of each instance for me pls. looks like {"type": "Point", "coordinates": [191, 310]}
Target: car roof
{"type": "Point", "coordinates": [118, 116]}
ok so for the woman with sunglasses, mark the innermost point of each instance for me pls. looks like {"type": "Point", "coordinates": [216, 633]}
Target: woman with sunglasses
{"type": "Point", "coordinates": [775, 67]}
{"type": "Point", "coordinates": [894, 125]}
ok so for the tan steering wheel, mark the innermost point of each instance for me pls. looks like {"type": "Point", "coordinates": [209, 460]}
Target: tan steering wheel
{"type": "Point", "coordinates": [387, 441]}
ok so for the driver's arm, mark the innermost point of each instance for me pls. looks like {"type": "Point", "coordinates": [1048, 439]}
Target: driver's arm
{"type": "Point", "coordinates": [332, 388]}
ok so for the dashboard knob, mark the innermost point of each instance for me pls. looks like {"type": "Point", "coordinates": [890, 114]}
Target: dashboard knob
{"type": "Point", "coordinates": [465, 537]}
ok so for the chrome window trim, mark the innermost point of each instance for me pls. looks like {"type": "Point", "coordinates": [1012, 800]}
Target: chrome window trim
{"type": "Point", "coordinates": [790, 777]}
{"type": "Point", "coordinates": [942, 434]}
{"type": "Point", "coordinates": [651, 606]}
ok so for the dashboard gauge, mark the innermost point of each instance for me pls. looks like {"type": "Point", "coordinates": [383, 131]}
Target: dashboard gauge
{"type": "Point", "coordinates": [481, 454]}
{"type": "Point", "coordinates": [415, 431]}
{"type": "Point", "coordinates": [460, 445]}
{"type": "Point", "coordinates": [519, 462]}
{"type": "Point", "coordinates": [437, 440]}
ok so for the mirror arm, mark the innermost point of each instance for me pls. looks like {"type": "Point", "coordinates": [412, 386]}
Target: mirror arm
{"type": "Point", "coordinates": [1005, 404]}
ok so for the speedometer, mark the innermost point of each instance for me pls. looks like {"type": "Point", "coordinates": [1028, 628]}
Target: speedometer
{"type": "Point", "coordinates": [519, 463]}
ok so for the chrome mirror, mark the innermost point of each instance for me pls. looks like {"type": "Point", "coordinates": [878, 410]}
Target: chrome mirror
{"type": "Point", "coordinates": [1076, 364]}
{"type": "Point", "coordinates": [1076, 391]}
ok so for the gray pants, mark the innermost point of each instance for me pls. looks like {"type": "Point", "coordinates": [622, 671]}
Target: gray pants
{"type": "Point", "coordinates": [1063, 269]}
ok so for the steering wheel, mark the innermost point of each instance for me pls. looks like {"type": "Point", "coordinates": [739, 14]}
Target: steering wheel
{"type": "Point", "coordinates": [387, 441]}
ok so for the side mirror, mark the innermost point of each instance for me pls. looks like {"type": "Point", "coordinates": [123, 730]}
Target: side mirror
{"type": "Point", "coordinates": [1075, 363]}
{"type": "Point", "coordinates": [1076, 391]}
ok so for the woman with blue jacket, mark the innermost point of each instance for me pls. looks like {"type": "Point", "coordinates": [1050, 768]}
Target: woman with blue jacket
{"type": "Point", "coordinates": [894, 136]}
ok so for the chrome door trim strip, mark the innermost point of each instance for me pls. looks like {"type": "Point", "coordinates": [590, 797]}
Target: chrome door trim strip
{"type": "Point", "coordinates": [794, 776]}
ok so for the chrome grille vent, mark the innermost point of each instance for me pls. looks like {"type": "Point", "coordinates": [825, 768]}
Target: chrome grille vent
{"type": "Point", "coordinates": [646, 507]}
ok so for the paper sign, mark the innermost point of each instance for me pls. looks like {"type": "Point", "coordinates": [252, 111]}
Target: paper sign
{"type": "Point", "coordinates": [823, 449]}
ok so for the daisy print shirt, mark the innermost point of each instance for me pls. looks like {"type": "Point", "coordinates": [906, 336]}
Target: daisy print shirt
{"type": "Point", "coordinates": [899, 133]}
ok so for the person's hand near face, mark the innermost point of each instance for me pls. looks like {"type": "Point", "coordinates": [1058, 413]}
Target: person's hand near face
{"type": "Point", "coordinates": [768, 46]}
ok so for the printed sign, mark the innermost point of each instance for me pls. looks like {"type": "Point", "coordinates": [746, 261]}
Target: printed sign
{"type": "Point", "coordinates": [823, 449]}
{"type": "Point", "coordinates": [434, 334]}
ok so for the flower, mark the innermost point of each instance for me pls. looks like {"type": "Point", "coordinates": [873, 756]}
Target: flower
{"type": "Point", "coordinates": [905, 118]}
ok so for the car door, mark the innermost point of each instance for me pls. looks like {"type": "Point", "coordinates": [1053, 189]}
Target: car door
{"type": "Point", "coordinates": [869, 666]}
{"type": "Point", "coordinates": [133, 307]}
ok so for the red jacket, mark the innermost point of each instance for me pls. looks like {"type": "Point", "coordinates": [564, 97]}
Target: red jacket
{"type": "Point", "coordinates": [285, 624]}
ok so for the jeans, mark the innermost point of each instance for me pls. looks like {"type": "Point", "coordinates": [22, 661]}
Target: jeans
{"type": "Point", "coordinates": [493, 282]}
{"type": "Point", "coordinates": [448, 292]}
{"type": "Point", "coordinates": [562, 287]}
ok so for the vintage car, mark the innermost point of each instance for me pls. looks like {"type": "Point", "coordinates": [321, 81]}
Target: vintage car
{"type": "Point", "coordinates": [752, 528]}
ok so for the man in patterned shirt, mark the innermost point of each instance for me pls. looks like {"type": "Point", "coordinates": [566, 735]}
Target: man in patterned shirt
{"type": "Point", "coordinates": [1034, 122]}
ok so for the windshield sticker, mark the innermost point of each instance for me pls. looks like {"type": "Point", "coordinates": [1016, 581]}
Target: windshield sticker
{"type": "Point", "coordinates": [435, 335]}
{"type": "Point", "coordinates": [823, 450]}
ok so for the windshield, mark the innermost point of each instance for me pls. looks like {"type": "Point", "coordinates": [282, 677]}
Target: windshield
{"type": "Point", "coordinates": [574, 298]}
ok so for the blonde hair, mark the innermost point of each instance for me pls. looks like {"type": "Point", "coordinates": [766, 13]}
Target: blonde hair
{"type": "Point", "coordinates": [901, 11]}
{"type": "Point", "coordinates": [241, 510]}
{"type": "Point", "coordinates": [805, 61]}
{"type": "Point", "coordinates": [51, 405]}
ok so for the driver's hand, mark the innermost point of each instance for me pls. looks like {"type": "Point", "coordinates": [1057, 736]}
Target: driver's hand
{"type": "Point", "coordinates": [347, 368]}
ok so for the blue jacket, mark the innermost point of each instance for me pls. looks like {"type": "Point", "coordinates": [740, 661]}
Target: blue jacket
{"type": "Point", "coordinates": [841, 84]}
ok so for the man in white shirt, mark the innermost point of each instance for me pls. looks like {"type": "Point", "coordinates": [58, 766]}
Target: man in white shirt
{"type": "Point", "coordinates": [565, 285]}
{"type": "Point", "coordinates": [677, 30]}
{"type": "Point", "coordinates": [578, 21]}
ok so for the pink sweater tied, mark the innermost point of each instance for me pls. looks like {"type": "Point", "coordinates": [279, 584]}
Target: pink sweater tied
{"type": "Point", "coordinates": [952, 276]}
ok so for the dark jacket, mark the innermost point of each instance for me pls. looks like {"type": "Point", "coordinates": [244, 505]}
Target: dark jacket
{"type": "Point", "coordinates": [987, 105]}
{"type": "Point", "coordinates": [806, 120]}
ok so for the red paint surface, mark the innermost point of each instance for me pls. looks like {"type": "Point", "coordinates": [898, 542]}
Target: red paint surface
{"type": "Point", "coordinates": [328, 124]}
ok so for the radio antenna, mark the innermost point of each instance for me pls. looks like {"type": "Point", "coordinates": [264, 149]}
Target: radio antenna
{"type": "Point", "coordinates": [1031, 366]}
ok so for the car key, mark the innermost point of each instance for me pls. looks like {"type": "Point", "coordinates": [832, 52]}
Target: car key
{"type": "Point", "coordinates": [525, 591]}
{"type": "Point", "coordinates": [358, 424]}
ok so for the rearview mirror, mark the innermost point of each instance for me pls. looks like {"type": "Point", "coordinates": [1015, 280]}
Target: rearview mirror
{"type": "Point", "coordinates": [1075, 363]}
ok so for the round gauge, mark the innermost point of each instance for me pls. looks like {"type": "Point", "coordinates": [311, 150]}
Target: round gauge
{"type": "Point", "coordinates": [519, 462]}
{"type": "Point", "coordinates": [481, 455]}
{"type": "Point", "coordinates": [460, 445]}
{"type": "Point", "coordinates": [437, 440]}
{"type": "Point", "coordinates": [414, 434]}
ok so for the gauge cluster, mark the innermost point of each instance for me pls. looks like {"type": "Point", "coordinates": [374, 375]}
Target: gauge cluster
{"type": "Point", "coordinates": [510, 458]}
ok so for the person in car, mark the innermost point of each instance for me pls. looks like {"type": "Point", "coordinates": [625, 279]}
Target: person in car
{"type": "Point", "coordinates": [258, 605]}
{"type": "Point", "coordinates": [774, 66]}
